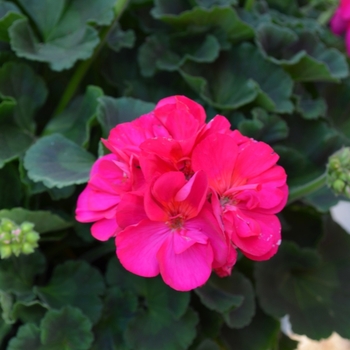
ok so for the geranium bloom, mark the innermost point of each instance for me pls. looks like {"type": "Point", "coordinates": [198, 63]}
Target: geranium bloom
{"type": "Point", "coordinates": [340, 22]}
{"type": "Point", "coordinates": [181, 196]}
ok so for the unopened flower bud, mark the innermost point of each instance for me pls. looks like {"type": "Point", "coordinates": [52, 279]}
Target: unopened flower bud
{"type": "Point", "coordinates": [16, 240]}
{"type": "Point", "coordinates": [338, 172]}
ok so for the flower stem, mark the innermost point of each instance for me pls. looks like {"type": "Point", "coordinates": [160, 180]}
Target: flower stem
{"type": "Point", "coordinates": [84, 66]}
{"type": "Point", "coordinates": [249, 5]}
{"type": "Point", "coordinates": [306, 189]}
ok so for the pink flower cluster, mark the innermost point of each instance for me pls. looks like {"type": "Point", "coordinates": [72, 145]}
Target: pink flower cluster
{"type": "Point", "coordinates": [340, 22]}
{"type": "Point", "coordinates": [181, 196]}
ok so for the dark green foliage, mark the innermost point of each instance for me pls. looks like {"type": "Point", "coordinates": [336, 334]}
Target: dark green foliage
{"type": "Point", "coordinates": [70, 71]}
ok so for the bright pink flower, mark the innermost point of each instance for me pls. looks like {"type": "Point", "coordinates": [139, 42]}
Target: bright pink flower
{"type": "Point", "coordinates": [340, 22]}
{"type": "Point", "coordinates": [179, 239]}
{"type": "Point", "coordinates": [181, 196]}
{"type": "Point", "coordinates": [248, 189]}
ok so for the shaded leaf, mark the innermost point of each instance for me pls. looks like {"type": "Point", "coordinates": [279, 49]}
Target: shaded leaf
{"type": "Point", "coordinates": [222, 19]}
{"type": "Point", "coordinates": [75, 122]}
{"type": "Point", "coordinates": [264, 127]}
{"type": "Point", "coordinates": [119, 39]}
{"type": "Point", "coordinates": [113, 111]}
{"type": "Point", "coordinates": [77, 284]}
{"type": "Point", "coordinates": [311, 108]}
{"type": "Point", "coordinates": [208, 344]}
{"type": "Point", "coordinates": [44, 221]}
{"type": "Point", "coordinates": [4, 330]}
{"type": "Point", "coordinates": [27, 338]}
{"type": "Point", "coordinates": [296, 282]}
{"type": "Point", "coordinates": [19, 82]}
{"type": "Point", "coordinates": [240, 77]}
{"type": "Point", "coordinates": [119, 309]}
{"type": "Point", "coordinates": [261, 334]}
{"type": "Point", "coordinates": [13, 142]}
{"type": "Point", "coordinates": [150, 330]}
{"type": "Point", "coordinates": [156, 53]}
{"type": "Point", "coordinates": [67, 329]}
{"type": "Point", "coordinates": [58, 162]}
{"type": "Point", "coordinates": [17, 274]}
{"type": "Point", "coordinates": [29, 312]}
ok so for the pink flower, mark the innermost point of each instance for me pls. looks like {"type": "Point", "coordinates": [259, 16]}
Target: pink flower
{"type": "Point", "coordinates": [248, 189]}
{"type": "Point", "coordinates": [181, 196]}
{"type": "Point", "coordinates": [179, 236]}
{"type": "Point", "coordinates": [340, 22]}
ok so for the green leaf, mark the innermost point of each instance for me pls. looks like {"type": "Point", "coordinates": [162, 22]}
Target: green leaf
{"type": "Point", "coordinates": [9, 13]}
{"type": "Point", "coordinates": [4, 330]}
{"type": "Point", "coordinates": [13, 142]}
{"type": "Point", "coordinates": [17, 274]}
{"type": "Point", "coordinates": [65, 35]}
{"type": "Point", "coordinates": [58, 162]}
{"type": "Point", "coordinates": [233, 297]}
{"type": "Point", "coordinates": [157, 54]}
{"type": "Point", "coordinates": [29, 312]}
{"type": "Point", "coordinates": [44, 221]}
{"type": "Point", "coordinates": [264, 127]}
{"type": "Point", "coordinates": [27, 338]}
{"type": "Point", "coordinates": [151, 330]}
{"type": "Point", "coordinates": [75, 283]}
{"type": "Point", "coordinates": [60, 53]}
{"type": "Point", "coordinates": [261, 334]}
{"type": "Point", "coordinates": [208, 344]}
{"type": "Point", "coordinates": [296, 282]}
{"type": "Point", "coordinates": [211, 3]}
{"type": "Point", "coordinates": [19, 82]}
{"type": "Point", "coordinates": [10, 187]}
{"type": "Point", "coordinates": [119, 309]}
{"type": "Point", "coordinates": [6, 303]}
{"type": "Point", "coordinates": [286, 343]}
{"type": "Point", "coordinates": [75, 122]}
{"type": "Point", "coordinates": [113, 111]}
{"type": "Point", "coordinates": [239, 77]}
{"type": "Point", "coordinates": [66, 329]}
{"type": "Point", "coordinates": [160, 298]}
{"type": "Point", "coordinates": [119, 39]}
{"type": "Point", "coordinates": [216, 19]}
{"type": "Point", "coordinates": [311, 108]}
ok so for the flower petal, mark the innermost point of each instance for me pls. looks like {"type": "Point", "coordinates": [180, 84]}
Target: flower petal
{"type": "Point", "coordinates": [138, 245]}
{"type": "Point", "coordinates": [104, 229]}
{"type": "Point", "coordinates": [187, 270]}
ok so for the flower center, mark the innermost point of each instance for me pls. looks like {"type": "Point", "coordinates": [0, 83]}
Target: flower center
{"type": "Point", "coordinates": [175, 223]}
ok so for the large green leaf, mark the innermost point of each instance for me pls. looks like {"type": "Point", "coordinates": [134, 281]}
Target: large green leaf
{"type": "Point", "coordinates": [58, 162]}
{"type": "Point", "coordinates": [233, 297]}
{"type": "Point", "coordinates": [17, 274]}
{"type": "Point", "coordinates": [65, 35]}
{"type": "Point", "coordinates": [75, 122]}
{"type": "Point", "coordinates": [75, 283]}
{"type": "Point", "coordinates": [302, 56]}
{"type": "Point", "coordinates": [20, 83]}
{"type": "Point", "coordinates": [9, 13]}
{"type": "Point", "coordinates": [113, 111]}
{"type": "Point", "coordinates": [119, 39]}
{"type": "Point", "coordinates": [44, 221]}
{"type": "Point", "coordinates": [27, 338]}
{"type": "Point", "coordinates": [298, 283]}
{"type": "Point", "coordinates": [239, 77]}
{"type": "Point", "coordinates": [220, 20]}
{"type": "Point", "coordinates": [119, 309]}
{"type": "Point", "coordinates": [66, 329]}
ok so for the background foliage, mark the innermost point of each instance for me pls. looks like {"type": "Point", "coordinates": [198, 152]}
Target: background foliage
{"type": "Point", "coordinates": [72, 70]}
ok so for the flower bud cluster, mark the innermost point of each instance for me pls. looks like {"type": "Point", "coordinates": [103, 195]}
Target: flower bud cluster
{"type": "Point", "coordinates": [17, 239]}
{"type": "Point", "coordinates": [338, 172]}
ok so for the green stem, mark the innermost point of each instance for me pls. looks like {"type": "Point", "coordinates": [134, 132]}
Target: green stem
{"type": "Point", "coordinates": [304, 190]}
{"type": "Point", "coordinates": [249, 5]}
{"type": "Point", "coordinates": [84, 66]}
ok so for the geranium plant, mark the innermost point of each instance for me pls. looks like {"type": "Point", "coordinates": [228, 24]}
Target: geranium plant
{"type": "Point", "coordinates": [167, 170]}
